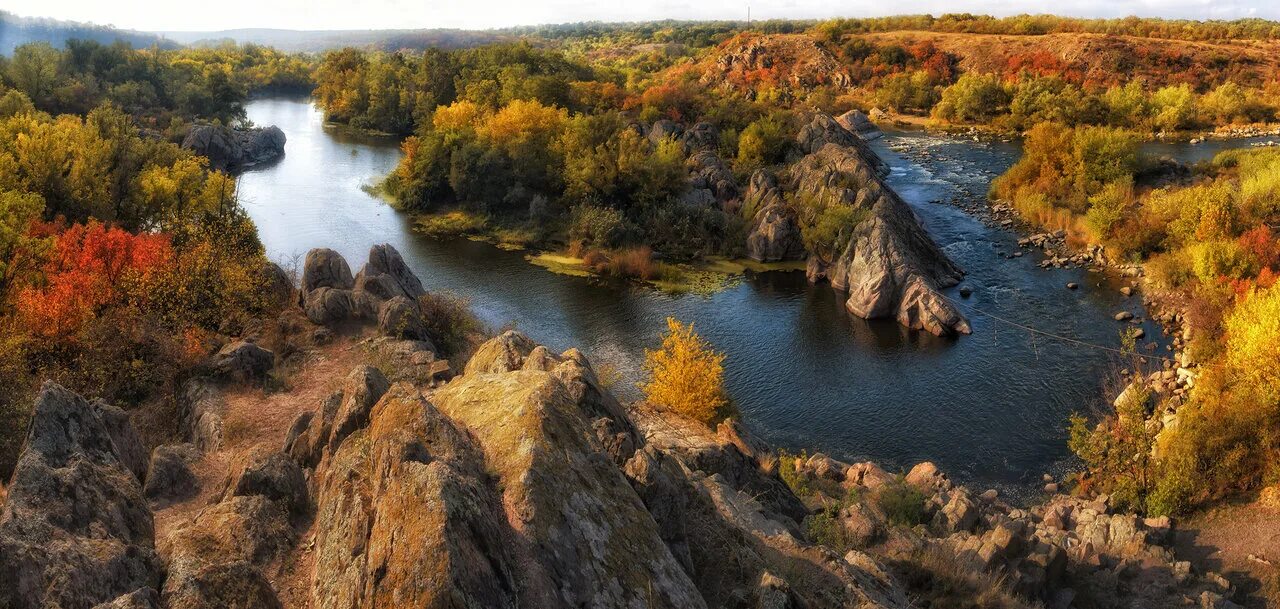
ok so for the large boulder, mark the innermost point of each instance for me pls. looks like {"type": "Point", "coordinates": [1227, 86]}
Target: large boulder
{"type": "Point", "coordinates": [576, 513]}
{"type": "Point", "coordinates": [75, 530]}
{"type": "Point", "coordinates": [244, 361]}
{"type": "Point", "coordinates": [169, 476]}
{"type": "Point", "coordinates": [217, 558]}
{"type": "Point", "coordinates": [231, 149]}
{"type": "Point", "coordinates": [276, 477]}
{"type": "Point", "coordinates": [412, 475]}
{"type": "Point", "coordinates": [400, 317]}
{"type": "Point", "coordinates": [386, 275]}
{"type": "Point", "coordinates": [325, 268]}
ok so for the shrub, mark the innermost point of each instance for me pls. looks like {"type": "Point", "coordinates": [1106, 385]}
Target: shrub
{"type": "Point", "coordinates": [1253, 342]}
{"type": "Point", "coordinates": [901, 503]}
{"type": "Point", "coordinates": [596, 226]}
{"type": "Point", "coordinates": [449, 321]}
{"type": "Point", "coordinates": [686, 374]}
{"type": "Point", "coordinates": [1117, 450]}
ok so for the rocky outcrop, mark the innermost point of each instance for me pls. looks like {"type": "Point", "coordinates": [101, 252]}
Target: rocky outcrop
{"type": "Point", "coordinates": [858, 122]}
{"type": "Point", "coordinates": [231, 149]}
{"type": "Point", "coordinates": [75, 530]}
{"type": "Point", "coordinates": [774, 234]}
{"type": "Point", "coordinates": [243, 360]}
{"type": "Point", "coordinates": [887, 263]}
{"type": "Point", "coordinates": [798, 62]}
{"type": "Point", "coordinates": [413, 475]}
{"type": "Point", "coordinates": [1062, 549]}
{"type": "Point", "coordinates": [217, 558]}
{"type": "Point", "coordinates": [384, 292]}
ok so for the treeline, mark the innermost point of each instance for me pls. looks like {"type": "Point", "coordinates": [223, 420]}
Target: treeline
{"type": "Point", "coordinates": [151, 84]}
{"type": "Point", "coordinates": [552, 146]}
{"type": "Point", "coordinates": [1209, 247]}
{"type": "Point", "coordinates": [16, 31]}
{"type": "Point", "coordinates": [1018, 105]}
{"type": "Point", "coordinates": [1034, 25]}
{"type": "Point", "coordinates": [120, 253]}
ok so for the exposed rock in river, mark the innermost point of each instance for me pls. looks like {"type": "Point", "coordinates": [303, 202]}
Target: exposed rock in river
{"type": "Point", "coordinates": [231, 149]}
{"type": "Point", "coordinates": [889, 265]}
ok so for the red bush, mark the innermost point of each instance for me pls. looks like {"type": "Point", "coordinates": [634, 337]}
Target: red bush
{"type": "Point", "coordinates": [89, 269]}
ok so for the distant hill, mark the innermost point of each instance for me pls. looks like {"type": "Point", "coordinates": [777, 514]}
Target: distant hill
{"type": "Point", "coordinates": [321, 40]}
{"type": "Point", "coordinates": [16, 31]}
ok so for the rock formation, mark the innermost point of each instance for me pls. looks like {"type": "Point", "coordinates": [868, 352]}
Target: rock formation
{"type": "Point", "coordinates": [520, 483]}
{"type": "Point", "coordinates": [231, 149]}
{"type": "Point", "coordinates": [889, 265]}
{"type": "Point", "coordinates": [799, 62]}
{"type": "Point", "coordinates": [75, 530]}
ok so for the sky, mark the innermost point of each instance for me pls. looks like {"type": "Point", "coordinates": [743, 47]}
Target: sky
{"type": "Point", "coordinates": [180, 15]}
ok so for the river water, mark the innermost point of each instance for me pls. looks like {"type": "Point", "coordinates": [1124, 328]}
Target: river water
{"type": "Point", "coordinates": [989, 408]}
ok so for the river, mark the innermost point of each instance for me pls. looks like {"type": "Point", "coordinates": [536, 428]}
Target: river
{"type": "Point", "coordinates": [989, 408]}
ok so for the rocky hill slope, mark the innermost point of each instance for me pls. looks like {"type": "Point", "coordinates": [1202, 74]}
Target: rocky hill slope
{"type": "Point", "coordinates": [518, 482]}
{"type": "Point", "coordinates": [888, 264]}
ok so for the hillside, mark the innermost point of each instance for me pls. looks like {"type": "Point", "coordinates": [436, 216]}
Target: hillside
{"type": "Point", "coordinates": [1104, 60]}
{"type": "Point", "coordinates": [16, 31]}
{"type": "Point", "coordinates": [302, 41]}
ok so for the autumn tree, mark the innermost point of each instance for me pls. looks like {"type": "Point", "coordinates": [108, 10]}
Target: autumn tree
{"type": "Point", "coordinates": [686, 374]}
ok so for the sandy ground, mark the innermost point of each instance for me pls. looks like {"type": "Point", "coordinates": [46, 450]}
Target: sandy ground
{"type": "Point", "coordinates": [1240, 541]}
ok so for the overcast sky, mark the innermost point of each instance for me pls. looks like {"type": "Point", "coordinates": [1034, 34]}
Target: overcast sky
{"type": "Point", "coordinates": [478, 14]}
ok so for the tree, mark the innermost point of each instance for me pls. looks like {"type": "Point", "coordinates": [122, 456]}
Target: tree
{"type": "Point", "coordinates": [19, 248]}
{"type": "Point", "coordinates": [34, 70]}
{"type": "Point", "coordinates": [973, 98]}
{"type": "Point", "coordinates": [686, 374]}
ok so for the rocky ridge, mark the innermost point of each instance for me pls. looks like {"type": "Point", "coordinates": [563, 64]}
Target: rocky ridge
{"type": "Point", "coordinates": [889, 265]}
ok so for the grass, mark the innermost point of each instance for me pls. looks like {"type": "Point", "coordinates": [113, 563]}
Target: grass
{"type": "Point", "coordinates": [703, 278]}
{"type": "Point", "coordinates": [451, 223]}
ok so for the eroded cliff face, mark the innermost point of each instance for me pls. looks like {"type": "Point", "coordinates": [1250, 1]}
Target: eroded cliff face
{"type": "Point", "coordinates": [888, 264]}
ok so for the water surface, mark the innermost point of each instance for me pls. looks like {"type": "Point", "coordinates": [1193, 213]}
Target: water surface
{"type": "Point", "coordinates": [989, 408]}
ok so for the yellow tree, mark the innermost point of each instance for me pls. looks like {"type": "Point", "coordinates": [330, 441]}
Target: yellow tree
{"type": "Point", "coordinates": [686, 374]}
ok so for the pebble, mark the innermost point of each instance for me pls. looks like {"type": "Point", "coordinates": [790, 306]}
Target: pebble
{"type": "Point", "coordinates": [1072, 285]}
{"type": "Point", "coordinates": [1124, 316]}
{"type": "Point", "coordinates": [965, 292]}
{"type": "Point", "coordinates": [1127, 291]}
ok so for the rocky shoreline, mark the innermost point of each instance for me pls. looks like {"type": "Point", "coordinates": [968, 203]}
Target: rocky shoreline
{"type": "Point", "coordinates": [515, 480]}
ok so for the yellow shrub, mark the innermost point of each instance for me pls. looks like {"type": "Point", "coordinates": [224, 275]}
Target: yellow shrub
{"type": "Point", "coordinates": [1253, 342]}
{"type": "Point", "coordinates": [686, 374]}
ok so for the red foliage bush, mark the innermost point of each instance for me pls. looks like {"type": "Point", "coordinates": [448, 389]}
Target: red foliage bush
{"type": "Point", "coordinates": [91, 266]}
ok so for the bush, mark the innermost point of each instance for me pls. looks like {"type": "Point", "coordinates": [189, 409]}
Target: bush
{"type": "Point", "coordinates": [1253, 342]}
{"type": "Point", "coordinates": [901, 503]}
{"type": "Point", "coordinates": [686, 374]}
{"type": "Point", "coordinates": [450, 322]}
